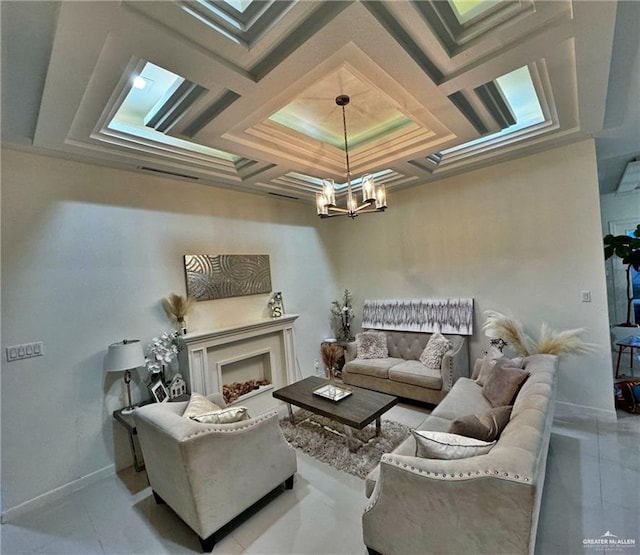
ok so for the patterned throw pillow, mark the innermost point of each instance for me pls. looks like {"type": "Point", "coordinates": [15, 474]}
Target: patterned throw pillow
{"type": "Point", "coordinates": [442, 445]}
{"type": "Point", "coordinates": [432, 355]}
{"type": "Point", "coordinates": [486, 426]}
{"type": "Point", "coordinates": [223, 416]}
{"type": "Point", "coordinates": [371, 344]}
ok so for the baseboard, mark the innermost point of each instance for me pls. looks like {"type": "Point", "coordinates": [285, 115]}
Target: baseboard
{"type": "Point", "coordinates": [602, 413]}
{"type": "Point", "coordinates": [56, 494]}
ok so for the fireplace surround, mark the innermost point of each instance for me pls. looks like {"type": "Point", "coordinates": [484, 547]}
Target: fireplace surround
{"type": "Point", "coordinates": [258, 350]}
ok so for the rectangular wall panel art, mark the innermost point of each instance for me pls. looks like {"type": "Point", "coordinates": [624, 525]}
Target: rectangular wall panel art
{"type": "Point", "coordinates": [227, 275]}
{"type": "Point", "coordinates": [423, 315]}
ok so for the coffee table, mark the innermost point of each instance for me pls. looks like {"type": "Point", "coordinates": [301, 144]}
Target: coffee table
{"type": "Point", "coordinates": [357, 410]}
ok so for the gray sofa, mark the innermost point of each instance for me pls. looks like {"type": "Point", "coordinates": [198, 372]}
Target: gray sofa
{"type": "Point", "coordinates": [402, 374]}
{"type": "Point", "coordinates": [483, 504]}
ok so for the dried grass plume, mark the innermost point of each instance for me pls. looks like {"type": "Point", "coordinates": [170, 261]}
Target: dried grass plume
{"type": "Point", "coordinates": [177, 306]}
{"type": "Point", "coordinates": [550, 342]}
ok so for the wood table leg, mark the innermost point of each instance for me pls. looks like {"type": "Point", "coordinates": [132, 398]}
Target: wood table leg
{"type": "Point", "coordinates": [378, 426]}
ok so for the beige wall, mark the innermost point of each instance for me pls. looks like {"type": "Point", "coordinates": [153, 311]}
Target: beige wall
{"type": "Point", "coordinates": [521, 237]}
{"type": "Point", "coordinates": [87, 254]}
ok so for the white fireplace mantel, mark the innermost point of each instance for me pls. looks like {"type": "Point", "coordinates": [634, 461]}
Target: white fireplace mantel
{"type": "Point", "coordinates": [202, 351]}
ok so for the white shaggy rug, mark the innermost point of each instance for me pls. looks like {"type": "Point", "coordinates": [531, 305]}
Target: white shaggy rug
{"type": "Point", "coordinates": [310, 435]}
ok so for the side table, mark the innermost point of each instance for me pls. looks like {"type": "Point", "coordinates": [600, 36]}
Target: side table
{"type": "Point", "coordinates": [126, 419]}
{"type": "Point", "coordinates": [630, 343]}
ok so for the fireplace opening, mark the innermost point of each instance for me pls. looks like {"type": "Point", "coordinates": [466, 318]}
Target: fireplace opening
{"type": "Point", "coordinates": [246, 377]}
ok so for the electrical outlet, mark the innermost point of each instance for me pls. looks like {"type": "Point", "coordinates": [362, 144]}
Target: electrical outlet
{"type": "Point", "coordinates": [27, 350]}
{"type": "Point", "coordinates": [586, 296]}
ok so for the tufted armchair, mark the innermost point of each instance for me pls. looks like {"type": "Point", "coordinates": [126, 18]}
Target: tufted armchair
{"type": "Point", "coordinates": [210, 473]}
{"type": "Point", "coordinates": [402, 374]}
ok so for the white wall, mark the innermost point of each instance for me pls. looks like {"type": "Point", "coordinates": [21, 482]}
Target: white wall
{"type": "Point", "coordinates": [618, 209]}
{"type": "Point", "coordinates": [87, 255]}
{"type": "Point", "coordinates": [521, 237]}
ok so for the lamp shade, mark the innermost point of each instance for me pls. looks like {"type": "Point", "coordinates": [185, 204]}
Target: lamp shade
{"type": "Point", "coordinates": [124, 355]}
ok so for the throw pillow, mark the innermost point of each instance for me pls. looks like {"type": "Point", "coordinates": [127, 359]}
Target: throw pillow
{"type": "Point", "coordinates": [199, 404]}
{"type": "Point", "coordinates": [442, 445]}
{"type": "Point", "coordinates": [489, 361]}
{"type": "Point", "coordinates": [223, 416]}
{"type": "Point", "coordinates": [486, 426]}
{"type": "Point", "coordinates": [503, 385]}
{"type": "Point", "coordinates": [371, 344]}
{"type": "Point", "coordinates": [436, 347]}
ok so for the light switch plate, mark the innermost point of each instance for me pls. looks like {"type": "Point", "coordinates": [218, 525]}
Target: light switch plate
{"type": "Point", "coordinates": [26, 350]}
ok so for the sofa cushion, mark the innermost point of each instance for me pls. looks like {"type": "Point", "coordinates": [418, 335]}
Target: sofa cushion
{"type": "Point", "coordinates": [377, 367]}
{"type": "Point", "coordinates": [199, 404]}
{"type": "Point", "coordinates": [415, 373]}
{"type": "Point", "coordinates": [442, 445]}
{"type": "Point", "coordinates": [467, 400]}
{"type": "Point", "coordinates": [503, 385]}
{"type": "Point", "coordinates": [486, 426]}
{"type": "Point", "coordinates": [371, 344]}
{"type": "Point", "coordinates": [436, 347]}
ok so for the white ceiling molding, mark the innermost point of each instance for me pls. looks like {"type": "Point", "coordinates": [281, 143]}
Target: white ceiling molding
{"type": "Point", "coordinates": [405, 59]}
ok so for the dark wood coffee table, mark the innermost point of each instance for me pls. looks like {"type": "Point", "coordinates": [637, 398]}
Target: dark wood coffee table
{"type": "Point", "coordinates": [355, 411]}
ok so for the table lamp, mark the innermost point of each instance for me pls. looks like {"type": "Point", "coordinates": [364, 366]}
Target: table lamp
{"type": "Point", "coordinates": [125, 355]}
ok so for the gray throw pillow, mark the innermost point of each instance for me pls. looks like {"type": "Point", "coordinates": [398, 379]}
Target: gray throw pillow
{"type": "Point", "coordinates": [503, 385]}
{"type": "Point", "coordinates": [371, 344]}
{"type": "Point", "coordinates": [486, 426]}
{"type": "Point", "coordinates": [436, 347]}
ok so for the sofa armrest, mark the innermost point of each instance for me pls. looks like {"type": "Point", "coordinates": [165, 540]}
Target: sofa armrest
{"type": "Point", "coordinates": [420, 502]}
{"type": "Point", "coordinates": [455, 364]}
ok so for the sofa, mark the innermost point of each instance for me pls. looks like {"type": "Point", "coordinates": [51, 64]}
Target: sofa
{"type": "Point", "coordinates": [486, 503]}
{"type": "Point", "coordinates": [210, 473]}
{"type": "Point", "coordinates": [402, 374]}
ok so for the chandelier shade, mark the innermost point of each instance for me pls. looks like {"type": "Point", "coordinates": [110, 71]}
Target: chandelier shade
{"type": "Point", "coordinates": [374, 198]}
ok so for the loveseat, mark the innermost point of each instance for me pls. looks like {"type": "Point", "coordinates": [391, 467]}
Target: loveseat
{"type": "Point", "coordinates": [402, 374]}
{"type": "Point", "coordinates": [486, 503]}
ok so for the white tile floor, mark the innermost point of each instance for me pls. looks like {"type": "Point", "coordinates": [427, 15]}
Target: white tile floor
{"type": "Point", "coordinates": [592, 486]}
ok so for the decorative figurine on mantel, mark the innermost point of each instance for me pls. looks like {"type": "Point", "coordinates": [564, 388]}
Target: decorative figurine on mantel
{"type": "Point", "coordinates": [177, 386]}
{"type": "Point", "coordinates": [177, 307]}
{"type": "Point", "coordinates": [342, 316]}
{"type": "Point", "coordinates": [276, 304]}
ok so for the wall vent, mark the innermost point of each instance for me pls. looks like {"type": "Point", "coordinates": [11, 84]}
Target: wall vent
{"type": "Point", "coordinates": [283, 196]}
{"type": "Point", "coordinates": [165, 172]}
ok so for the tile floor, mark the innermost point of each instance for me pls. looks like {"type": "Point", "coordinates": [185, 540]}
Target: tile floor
{"type": "Point", "coordinates": [592, 486]}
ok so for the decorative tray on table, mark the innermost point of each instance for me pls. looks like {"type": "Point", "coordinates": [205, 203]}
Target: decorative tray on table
{"type": "Point", "coordinates": [332, 392]}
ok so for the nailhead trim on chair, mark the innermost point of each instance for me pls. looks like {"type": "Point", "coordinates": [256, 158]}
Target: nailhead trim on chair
{"type": "Point", "coordinates": [401, 465]}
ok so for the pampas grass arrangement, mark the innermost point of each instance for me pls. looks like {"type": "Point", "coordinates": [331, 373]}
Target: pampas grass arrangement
{"type": "Point", "coordinates": [550, 342]}
{"type": "Point", "coordinates": [177, 307]}
{"type": "Point", "coordinates": [331, 354]}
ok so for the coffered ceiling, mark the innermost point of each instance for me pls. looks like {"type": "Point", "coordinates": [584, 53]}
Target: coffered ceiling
{"type": "Point", "coordinates": [242, 94]}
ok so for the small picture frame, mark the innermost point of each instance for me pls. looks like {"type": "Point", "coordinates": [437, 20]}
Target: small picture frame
{"type": "Point", "coordinates": [159, 392]}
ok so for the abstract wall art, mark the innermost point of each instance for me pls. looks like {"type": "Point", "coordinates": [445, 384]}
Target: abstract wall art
{"type": "Point", "coordinates": [423, 315]}
{"type": "Point", "coordinates": [227, 275]}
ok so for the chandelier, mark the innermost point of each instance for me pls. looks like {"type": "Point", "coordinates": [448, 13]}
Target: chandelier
{"type": "Point", "coordinates": [374, 199]}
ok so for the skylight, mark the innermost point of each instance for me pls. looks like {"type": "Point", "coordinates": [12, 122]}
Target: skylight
{"type": "Point", "coordinates": [141, 103]}
{"type": "Point", "coordinates": [520, 93]}
{"type": "Point", "coordinates": [465, 10]}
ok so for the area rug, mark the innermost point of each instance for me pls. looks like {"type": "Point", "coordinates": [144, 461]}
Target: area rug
{"type": "Point", "coordinates": [311, 436]}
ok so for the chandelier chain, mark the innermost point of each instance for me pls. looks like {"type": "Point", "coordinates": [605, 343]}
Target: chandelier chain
{"type": "Point", "coordinates": [346, 145]}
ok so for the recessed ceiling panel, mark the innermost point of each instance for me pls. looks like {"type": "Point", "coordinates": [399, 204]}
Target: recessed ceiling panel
{"type": "Point", "coordinates": [369, 115]}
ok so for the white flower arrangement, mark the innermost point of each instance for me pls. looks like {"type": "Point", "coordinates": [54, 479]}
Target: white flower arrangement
{"type": "Point", "coordinates": [161, 352]}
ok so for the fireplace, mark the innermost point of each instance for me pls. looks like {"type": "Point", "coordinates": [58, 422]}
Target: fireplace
{"type": "Point", "coordinates": [263, 350]}
{"type": "Point", "coordinates": [245, 376]}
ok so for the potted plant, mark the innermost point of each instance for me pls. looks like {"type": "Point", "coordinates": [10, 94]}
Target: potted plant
{"type": "Point", "coordinates": [626, 248]}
